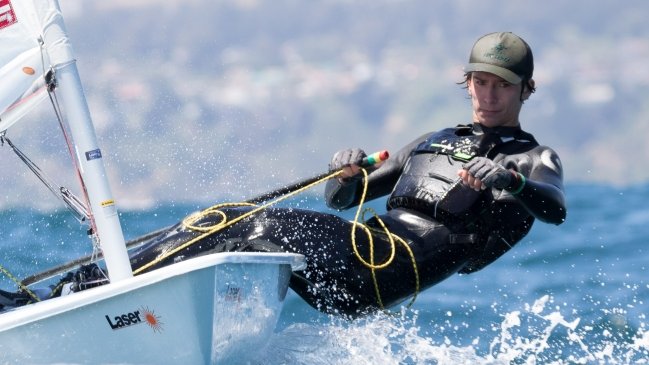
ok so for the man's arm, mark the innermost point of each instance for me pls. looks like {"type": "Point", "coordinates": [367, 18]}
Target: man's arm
{"type": "Point", "coordinates": [346, 193]}
{"type": "Point", "coordinates": [542, 191]}
{"type": "Point", "coordinates": [534, 178]}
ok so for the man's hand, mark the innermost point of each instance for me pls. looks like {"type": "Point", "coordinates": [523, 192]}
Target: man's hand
{"type": "Point", "coordinates": [481, 172]}
{"type": "Point", "coordinates": [348, 160]}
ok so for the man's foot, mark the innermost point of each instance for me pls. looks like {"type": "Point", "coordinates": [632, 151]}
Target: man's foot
{"type": "Point", "coordinates": [86, 277]}
{"type": "Point", "coordinates": [89, 276]}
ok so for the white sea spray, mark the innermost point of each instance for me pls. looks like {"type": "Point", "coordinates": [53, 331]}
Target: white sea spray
{"type": "Point", "coordinates": [536, 334]}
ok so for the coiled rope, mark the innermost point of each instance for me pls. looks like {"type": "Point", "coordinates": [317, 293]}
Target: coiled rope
{"type": "Point", "coordinates": [360, 213]}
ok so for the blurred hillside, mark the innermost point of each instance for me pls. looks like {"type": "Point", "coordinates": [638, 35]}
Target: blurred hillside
{"type": "Point", "coordinates": [211, 100]}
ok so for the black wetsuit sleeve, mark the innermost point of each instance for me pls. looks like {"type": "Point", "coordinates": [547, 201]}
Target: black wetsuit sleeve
{"type": "Point", "coordinates": [380, 181]}
{"type": "Point", "coordinates": [543, 195]}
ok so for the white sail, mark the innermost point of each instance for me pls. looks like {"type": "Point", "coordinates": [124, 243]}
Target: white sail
{"type": "Point", "coordinates": [23, 61]}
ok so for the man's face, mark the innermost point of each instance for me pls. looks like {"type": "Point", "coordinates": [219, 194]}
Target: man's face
{"type": "Point", "coordinates": [495, 101]}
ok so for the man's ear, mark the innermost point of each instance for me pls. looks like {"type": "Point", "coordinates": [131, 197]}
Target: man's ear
{"type": "Point", "coordinates": [527, 89]}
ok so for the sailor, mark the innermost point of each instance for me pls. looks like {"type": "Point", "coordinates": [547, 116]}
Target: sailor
{"type": "Point", "coordinates": [459, 198]}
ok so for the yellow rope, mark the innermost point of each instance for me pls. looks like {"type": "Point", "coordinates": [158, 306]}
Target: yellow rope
{"type": "Point", "coordinates": [20, 285]}
{"type": "Point", "coordinates": [391, 237]}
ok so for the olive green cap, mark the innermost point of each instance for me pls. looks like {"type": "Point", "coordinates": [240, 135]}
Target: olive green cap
{"type": "Point", "coordinates": [503, 54]}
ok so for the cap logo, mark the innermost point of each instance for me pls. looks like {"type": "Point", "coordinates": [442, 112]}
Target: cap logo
{"type": "Point", "coordinates": [497, 52]}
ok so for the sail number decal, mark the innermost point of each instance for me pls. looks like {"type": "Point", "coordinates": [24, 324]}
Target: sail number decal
{"type": "Point", "coordinates": [128, 319]}
{"type": "Point", "coordinates": [7, 15]}
{"type": "Point", "coordinates": [92, 155]}
{"type": "Point", "coordinates": [233, 294]}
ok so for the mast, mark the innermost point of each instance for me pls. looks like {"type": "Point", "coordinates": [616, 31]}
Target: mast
{"type": "Point", "coordinates": [89, 157]}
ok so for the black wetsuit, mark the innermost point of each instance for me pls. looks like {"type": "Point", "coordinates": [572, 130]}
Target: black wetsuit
{"type": "Point", "coordinates": [449, 227]}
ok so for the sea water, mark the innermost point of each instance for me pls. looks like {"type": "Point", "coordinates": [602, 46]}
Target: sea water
{"type": "Point", "coordinates": [577, 293]}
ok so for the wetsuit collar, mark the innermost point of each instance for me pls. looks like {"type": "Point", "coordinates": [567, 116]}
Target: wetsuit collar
{"type": "Point", "coordinates": [505, 134]}
{"type": "Point", "coordinates": [499, 131]}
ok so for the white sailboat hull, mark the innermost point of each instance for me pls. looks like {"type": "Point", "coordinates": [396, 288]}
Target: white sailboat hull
{"type": "Point", "coordinates": [219, 308]}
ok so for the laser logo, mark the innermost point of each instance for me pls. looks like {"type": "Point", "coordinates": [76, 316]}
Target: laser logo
{"type": "Point", "coordinates": [139, 316]}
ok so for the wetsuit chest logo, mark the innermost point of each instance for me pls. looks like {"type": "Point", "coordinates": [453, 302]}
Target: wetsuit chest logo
{"type": "Point", "coordinates": [461, 148]}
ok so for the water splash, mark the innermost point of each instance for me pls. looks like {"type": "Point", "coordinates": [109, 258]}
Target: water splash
{"type": "Point", "coordinates": [537, 334]}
